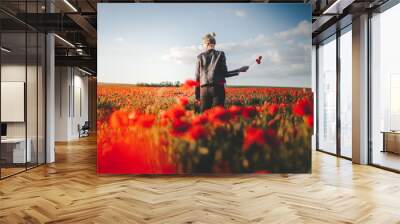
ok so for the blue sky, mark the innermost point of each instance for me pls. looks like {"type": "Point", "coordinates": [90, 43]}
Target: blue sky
{"type": "Point", "coordinates": [152, 42]}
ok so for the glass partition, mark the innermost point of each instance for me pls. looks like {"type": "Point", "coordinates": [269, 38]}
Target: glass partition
{"type": "Point", "coordinates": [385, 89]}
{"type": "Point", "coordinates": [327, 95]}
{"type": "Point", "coordinates": [13, 94]}
{"type": "Point", "coordinates": [22, 77]}
{"type": "Point", "coordinates": [31, 98]}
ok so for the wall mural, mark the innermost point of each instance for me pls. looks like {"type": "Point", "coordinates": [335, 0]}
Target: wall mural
{"type": "Point", "coordinates": [204, 88]}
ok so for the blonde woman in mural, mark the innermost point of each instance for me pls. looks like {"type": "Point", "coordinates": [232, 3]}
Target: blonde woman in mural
{"type": "Point", "coordinates": [211, 71]}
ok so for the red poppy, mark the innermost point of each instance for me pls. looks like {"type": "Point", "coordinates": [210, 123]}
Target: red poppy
{"type": "Point", "coordinates": [303, 107]}
{"type": "Point", "coordinates": [190, 83]}
{"type": "Point", "coordinates": [219, 114]}
{"type": "Point", "coordinates": [253, 136]}
{"type": "Point", "coordinates": [197, 132]}
{"type": "Point", "coordinates": [273, 109]}
{"type": "Point", "coordinates": [260, 137]}
{"type": "Point", "coordinates": [235, 110]}
{"type": "Point", "coordinates": [164, 121]}
{"type": "Point", "coordinates": [128, 156]}
{"type": "Point", "coordinates": [249, 111]}
{"type": "Point", "coordinates": [176, 112]}
{"type": "Point", "coordinates": [119, 119]}
{"type": "Point", "coordinates": [309, 120]}
{"type": "Point", "coordinates": [258, 60]}
{"type": "Point", "coordinates": [200, 119]}
{"type": "Point", "coordinates": [183, 101]}
{"type": "Point", "coordinates": [133, 117]}
{"type": "Point", "coordinates": [179, 127]}
{"type": "Point", "coordinates": [146, 121]}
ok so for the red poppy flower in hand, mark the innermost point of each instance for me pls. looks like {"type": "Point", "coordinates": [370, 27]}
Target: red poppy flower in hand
{"type": "Point", "coordinates": [258, 60]}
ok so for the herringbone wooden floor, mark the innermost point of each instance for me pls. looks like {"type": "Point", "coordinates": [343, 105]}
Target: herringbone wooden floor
{"type": "Point", "coordinates": [70, 191]}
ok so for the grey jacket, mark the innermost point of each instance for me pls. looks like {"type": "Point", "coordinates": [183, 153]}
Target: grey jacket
{"type": "Point", "coordinates": [211, 68]}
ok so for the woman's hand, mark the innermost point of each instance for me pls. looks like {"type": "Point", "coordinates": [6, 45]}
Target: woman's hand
{"type": "Point", "coordinates": [244, 69]}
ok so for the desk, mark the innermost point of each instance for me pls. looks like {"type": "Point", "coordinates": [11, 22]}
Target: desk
{"type": "Point", "coordinates": [13, 150]}
{"type": "Point", "coordinates": [391, 141]}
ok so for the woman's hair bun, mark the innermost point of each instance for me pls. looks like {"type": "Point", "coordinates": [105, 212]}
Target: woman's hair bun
{"type": "Point", "coordinates": [209, 38]}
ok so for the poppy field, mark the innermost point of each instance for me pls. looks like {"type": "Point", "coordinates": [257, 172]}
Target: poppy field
{"type": "Point", "coordinates": [159, 130]}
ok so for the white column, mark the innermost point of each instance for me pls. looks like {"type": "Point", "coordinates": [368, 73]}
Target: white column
{"type": "Point", "coordinates": [50, 92]}
{"type": "Point", "coordinates": [50, 99]}
{"type": "Point", "coordinates": [360, 89]}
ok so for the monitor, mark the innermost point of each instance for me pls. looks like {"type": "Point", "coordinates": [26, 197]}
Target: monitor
{"type": "Point", "coordinates": [3, 129]}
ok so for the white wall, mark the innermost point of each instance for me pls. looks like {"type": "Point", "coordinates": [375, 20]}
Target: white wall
{"type": "Point", "coordinates": [80, 110]}
{"type": "Point", "coordinates": [61, 103]}
{"type": "Point", "coordinates": [71, 102]}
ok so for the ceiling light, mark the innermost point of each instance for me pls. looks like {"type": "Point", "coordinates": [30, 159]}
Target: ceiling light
{"type": "Point", "coordinates": [5, 50]}
{"type": "Point", "coordinates": [70, 5]}
{"type": "Point", "coordinates": [65, 41]}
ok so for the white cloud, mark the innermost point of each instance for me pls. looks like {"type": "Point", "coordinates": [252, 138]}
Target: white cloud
{"type": "Point", "coordinates": [273, 56]}
{"type": "Point", "coordinates": [297, 67]}
{"type": "Point", "coordinates": [256, 42]}
{"type": "Point", "coordinates": [119, 39]}
{"type": "Point", "coordinates": [286, 57]}
{"type": "Point", "coordinates": [186, 54]}
{"type": "Point", "coordinates": [182, 55]}
{"type": "Point", "coordinates": [240, 13]}
{"type": "Point", "coordinates": [303, 28]}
